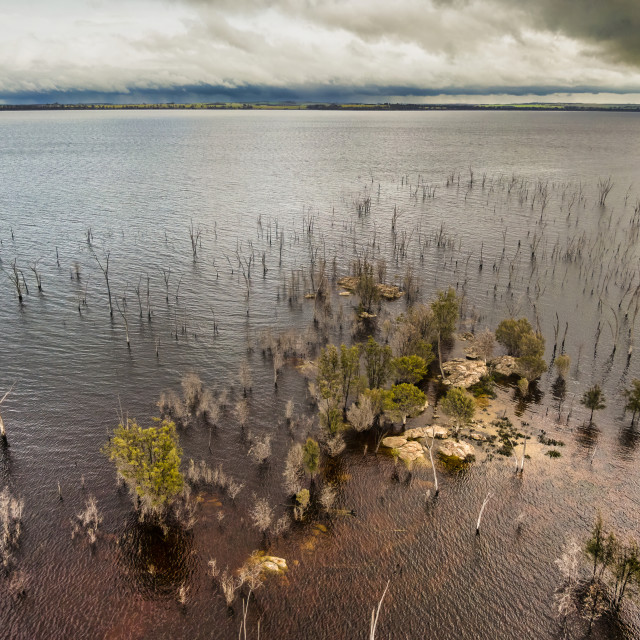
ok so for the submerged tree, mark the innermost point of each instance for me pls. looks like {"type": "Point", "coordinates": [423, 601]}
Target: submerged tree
{"type": "Point", "coordinates": [527, 345]}
{"type": "Point", "coordinates": [361, 415]}
{"type": "Point", "coordinates": [633, 399]}
{"type": "Point", "coordinates": [10, 526]}
{"type": "Point", "coordinates": [311, 457]}
{"type": "Point", "coordinates": [445, 309]}
{"type": "Point", "coordinates": [3, 432]}
{"type": "Point", "coordinates": [411, 369]}
{"type": "Point", "coordinates": [459, 406]}
{"type": "Point", "coordinates": [148, 460]}
{"type": "Point", "coordinates": [593, 399]}
{"type": "Point", "coordinates": [404, 400]}
{"type": "Point", "coordinates": [377, 363]}
{"type": "Point", "coordinates": [484, 344]}
{"type": "Point", "coordinates": [562, 364]}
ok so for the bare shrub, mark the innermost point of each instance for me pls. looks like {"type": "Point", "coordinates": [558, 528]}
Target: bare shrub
{"type": "Point", "coordinates": [327, 496]}
{"type": "Point", "coordinates": [10, 525]}
{"type": "Point", "coordinates": [192, 391]}
{"type": "Point", "coordinates": [484, 344]}
{"type": "Point", "coordinates": [228, 585]}
{"type": "Point", "coordinates": [288, 411]}
{"type": "Point", "coordinates": [88, 521]}
{"type": "Point", "coordinates": [281, 525]}
{"type": "Point", "coordinates": [214, 569]}
{"type": "Point", "coordinates": [245, 377]}
{"type": "Point", "coordinates": [361, 415]}
{"type": "Point", "coordinates": [250, 573]}
{"type": "Point", "coordinates": [171, 406]}
{"type": "Point", "coordinates": [278, 363]}
{"type": "Point", "coordinates": [185, 508]}
{"type": "Point", "coordinates": [202, 475]}
{"type": "Point", "coordinates": [183, 594]}
{"type": "Point", "coordinates": [223, 399]}
{"type": "Point", "coordinates": [334, 445]}
{"type": "Point", "coordinates": [262, 514]}
{"type": "Point", "coordinates": [260, 450]}
{"type": "Point", "coordinates": [242, 412]}
{"type": "Point", "coordinates": [293, 470]}
{"type": "Point", "coordinates": [17, 586]}
{"type": "Point", "coordinates": [208, 409]}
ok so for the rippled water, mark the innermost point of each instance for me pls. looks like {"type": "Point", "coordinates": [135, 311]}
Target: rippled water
{"type": "Point", "coordinates": [137, 180]}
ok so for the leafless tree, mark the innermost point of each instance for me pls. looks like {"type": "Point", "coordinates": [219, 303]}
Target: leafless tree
{"type": "Point", "coordinates": [361, 415]}
{"type": "Point", "coordinates": [242, 412]}
{"type": "Point", "coordinates": [10, 526]}
{"type": "Point", "coordinates": [88, 520]}
{"type": "Point", "coordinates": [3, 432]}
{"type": "Point", "coordinates": [484, 344]}
{"type": "Point", "coordinates": [260, 450]}
{"type": "Point", "coordinates": [262, 514]}
{"type": "Point", "coordinates": [105, 271]}
{"type": "Point", "coordinates": [192, 391]}
{"type": "Point", "coordinates": [375, 614]}
{"type": "Point", "coordinates": [245, 377]}
{"type": "Point", "coordinates": [293, 470]}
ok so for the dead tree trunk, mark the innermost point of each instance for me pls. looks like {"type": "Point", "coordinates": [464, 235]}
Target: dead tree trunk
{"type": "Point", "coordinates": [105, 271]}
{"type": "Point", "coordinates": [484, 504]}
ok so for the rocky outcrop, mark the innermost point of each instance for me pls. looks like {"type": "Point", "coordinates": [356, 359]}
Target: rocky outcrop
{"type": "Point", "coordinates": [425, 432]}
{"type": "Point", "coordinates": [269, 564]}
{"type": "Point", "coordinates": [405, 449]}
{"type": "Point", "coordinates": [386, 291]}
{"type": "Point", "coordinates": [505, 365]}
{"type": "Point", "coordinates": [394, 442]}
{"type": "Point", "coordinates": [461, 372]}
{"type": "Point", "coordinates": [460, 451]}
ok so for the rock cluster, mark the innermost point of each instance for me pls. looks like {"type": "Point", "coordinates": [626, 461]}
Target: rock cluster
{"type": "Point", "coordinates": [460, 450]}
{"type": "Point", "coordinates": [405, 444]}
{"type": "Point", "coordinates": [461, 372]}
{"type": "Point", "coordinates": [505, 365]}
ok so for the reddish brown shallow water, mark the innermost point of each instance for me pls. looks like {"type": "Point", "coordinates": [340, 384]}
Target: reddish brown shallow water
{"type": "Point", "coordinates": [137, 180]}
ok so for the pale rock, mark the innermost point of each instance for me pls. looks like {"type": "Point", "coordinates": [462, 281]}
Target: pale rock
{"type": "Point", "coordinates": [505, 365]}
{"type": "Point", "coordinates": [460, 450]}
{"type": "Point", "coordinates": [463, 373]}
{"type": "Point", "coordinates": [393, 442]}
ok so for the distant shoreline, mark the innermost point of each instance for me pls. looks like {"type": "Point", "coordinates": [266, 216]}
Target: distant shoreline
{"type": "Point", "coordinates": [236, 106]}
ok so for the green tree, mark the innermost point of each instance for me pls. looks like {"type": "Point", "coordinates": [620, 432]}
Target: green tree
{"type": "Point", "coordinates": [520, 340]}
{"type": "Point", "coordinates": [459, 406]}
{"type": "Point", "coordinates": [595, 545]}
{"type": "Point", "coordinates": [444, 309]}
{"type": "Point", "coordinates": [330, 416]}
{"type": "Point", "coordinates": [633, 399]}
{"type": "Point", "coordinates": [562, 364]}
{"type": "Point", "coordinates": [409, 369]}
{"type": "Point", "coordinates": [593, 399]}
{"type": "Point", "coordinates": [349, 371]}
{"type": "Point", "coordinates": [625, 569]}
{"type": "Point", "coordinates": [510, 333]}
{"type": "Point", "coordinates": [149, 462]}
{"type": "Point", "coordinates": [329, 373]}
{"type": "Point", "coordinates": [404, 400]}
{"type": "Point", "coordinates": [367, 289]}
{"type": "Point", "coordinates": [311, 457]}
{"type": "Point", "coordinates": [377, 362]}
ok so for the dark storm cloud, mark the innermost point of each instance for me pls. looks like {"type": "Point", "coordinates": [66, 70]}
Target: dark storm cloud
{"type": "Point", "coordinates": [613, 24]}
{"type": "Point", "coordinates": [300, 94]}
{"type": "Point", "coordinates": [315, 50]}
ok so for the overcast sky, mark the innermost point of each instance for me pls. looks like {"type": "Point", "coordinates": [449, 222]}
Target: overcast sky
{"type": "Point", "coordinates": [320, 50]}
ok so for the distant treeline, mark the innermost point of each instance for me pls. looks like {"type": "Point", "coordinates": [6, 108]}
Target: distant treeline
{"type": "Point", "coordinates": [329, 107]}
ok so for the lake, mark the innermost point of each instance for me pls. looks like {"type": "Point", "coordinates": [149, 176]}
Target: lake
{"type": "Point", "coordinates": [503, 206]}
